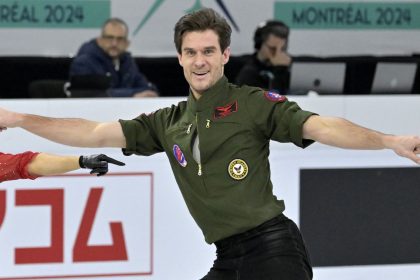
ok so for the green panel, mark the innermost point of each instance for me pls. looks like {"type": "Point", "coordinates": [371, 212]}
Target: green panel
{"type": "Point", "coordinates": [54, 14]}
{"type": "Point", "coordinates": [349, 15]}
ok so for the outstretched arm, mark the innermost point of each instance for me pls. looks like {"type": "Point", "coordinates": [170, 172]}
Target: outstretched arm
{"type": "Point", "coordinates": [47, 164]}
{"type": "Point", "coordinates": [342, 133]}
{"type": "Point", "coordinates": [67, 131]}
{"type": "Point", "coordinates": [31, 165]}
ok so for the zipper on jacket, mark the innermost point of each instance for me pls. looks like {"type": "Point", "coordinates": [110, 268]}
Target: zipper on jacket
{"type": "Point", "coordinates": [207, 123]}
{"type": "Point", "coordinates": [189, 128]}
{"type": "Point", "coordinates": [200, 171]}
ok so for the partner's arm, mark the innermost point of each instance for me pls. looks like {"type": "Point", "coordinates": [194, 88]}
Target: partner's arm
{"type": "Point", "coordinates": [47, 164]}
{"type": "Point", "coordinates": [30, 165]}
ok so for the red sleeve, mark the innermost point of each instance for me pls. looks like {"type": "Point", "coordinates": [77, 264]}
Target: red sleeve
{"type": "Point", "coordinates": [13, 167]}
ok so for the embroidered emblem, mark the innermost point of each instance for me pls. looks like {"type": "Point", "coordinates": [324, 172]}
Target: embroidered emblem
{"type": "Point", "coordinates": [221, 112]}
{"type": "Point", "coordinates": [179, 156]}
{"type": "Point", "coordinates": [274, 96]}
{"type": "Point", "coordinates": [238, 169]}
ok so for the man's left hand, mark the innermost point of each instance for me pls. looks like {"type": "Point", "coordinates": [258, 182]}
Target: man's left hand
{"type": "Point", "coordinates": [409, 147]}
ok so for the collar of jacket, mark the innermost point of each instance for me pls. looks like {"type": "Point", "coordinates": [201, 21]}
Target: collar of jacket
{"type": "Point", "coordinates": [210, 98]}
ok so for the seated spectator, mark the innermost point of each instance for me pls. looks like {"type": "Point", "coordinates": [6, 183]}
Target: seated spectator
{"type": "Point", "coordinates": [268, 68]}
{"type": "Point", "coordinates": [107, 55]}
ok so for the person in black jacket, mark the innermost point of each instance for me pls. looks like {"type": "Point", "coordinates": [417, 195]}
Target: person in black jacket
{"type": "Point", "coordinates": [107, 55]}
{"type": "Point", "coordinates": [268, 67]}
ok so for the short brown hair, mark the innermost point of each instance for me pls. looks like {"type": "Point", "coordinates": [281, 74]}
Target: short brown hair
{"type": "Point", "coordinates": [114, 20]}
{"type": "Point", "coordinates": [202, 20]}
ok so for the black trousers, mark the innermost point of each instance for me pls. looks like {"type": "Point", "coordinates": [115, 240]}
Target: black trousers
{"type": "Point", "coordinates": [274, 250]}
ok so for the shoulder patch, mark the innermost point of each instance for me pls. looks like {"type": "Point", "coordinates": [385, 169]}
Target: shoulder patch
{"type": "Point", "coordinates": [274, 96]}
{"type": "Point", "coordinates": [224, 111]}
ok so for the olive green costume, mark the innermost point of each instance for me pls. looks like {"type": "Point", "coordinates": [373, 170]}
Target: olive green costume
{"type": "Point", "coordinates": [232, 123]}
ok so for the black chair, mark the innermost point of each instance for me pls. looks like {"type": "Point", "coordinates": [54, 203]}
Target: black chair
{"type": "Point", "coordinates": [93, 85]}
{"type": "Point", "coordinates": [47, 89]}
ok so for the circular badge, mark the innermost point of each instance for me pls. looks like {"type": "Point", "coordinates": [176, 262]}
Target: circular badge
{"type": "Point", "coordinates": [179, 155]}
{"type": "Point", "coordinates": [274, 96]}
{"type": "Point", "coordinates": [238, 169]}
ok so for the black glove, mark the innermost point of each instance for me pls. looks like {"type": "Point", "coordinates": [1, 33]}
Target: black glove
{"type": "Point", "coordinates": [98, 163]}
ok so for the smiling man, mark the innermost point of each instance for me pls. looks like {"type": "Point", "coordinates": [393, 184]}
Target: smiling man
{"type": "Point", "coordinates": [202, 60]}
{"type": "Point", "coordinates": [217, 143]}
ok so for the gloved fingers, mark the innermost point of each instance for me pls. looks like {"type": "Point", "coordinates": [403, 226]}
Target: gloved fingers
{"type": "Point", "coordinates": [111, 160]}
{"type": "Point", "coordinates": [96, 164]}
{"type": "Point", "coordinates": [99, 171]}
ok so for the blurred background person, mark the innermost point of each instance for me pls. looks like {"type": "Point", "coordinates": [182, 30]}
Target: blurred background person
{"type": "Point", "coordinates": [269, 66]}
{"type": "Point", "coordinates": [106, 60]}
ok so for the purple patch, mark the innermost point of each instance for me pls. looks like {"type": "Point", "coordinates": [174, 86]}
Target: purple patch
{"type": "Point", "coordinates": [274, 96]}
{"type": "Point", "coordinates": [179, 156]}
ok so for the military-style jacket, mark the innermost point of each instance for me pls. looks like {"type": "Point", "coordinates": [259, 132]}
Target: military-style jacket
{"type": "Point", "coordinates": [229, 191]}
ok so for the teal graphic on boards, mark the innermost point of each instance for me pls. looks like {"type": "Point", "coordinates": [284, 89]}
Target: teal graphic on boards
{"type": "Point", "coordinates": [54, 14]}
{"type": "Point", "coordinates": [349, 15]}
{"type": "Point", "coordinates": [196, 6]}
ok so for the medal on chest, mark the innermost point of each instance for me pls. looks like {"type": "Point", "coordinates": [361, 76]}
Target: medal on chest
{"type": "Point", "coordinates": [238, 169]}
